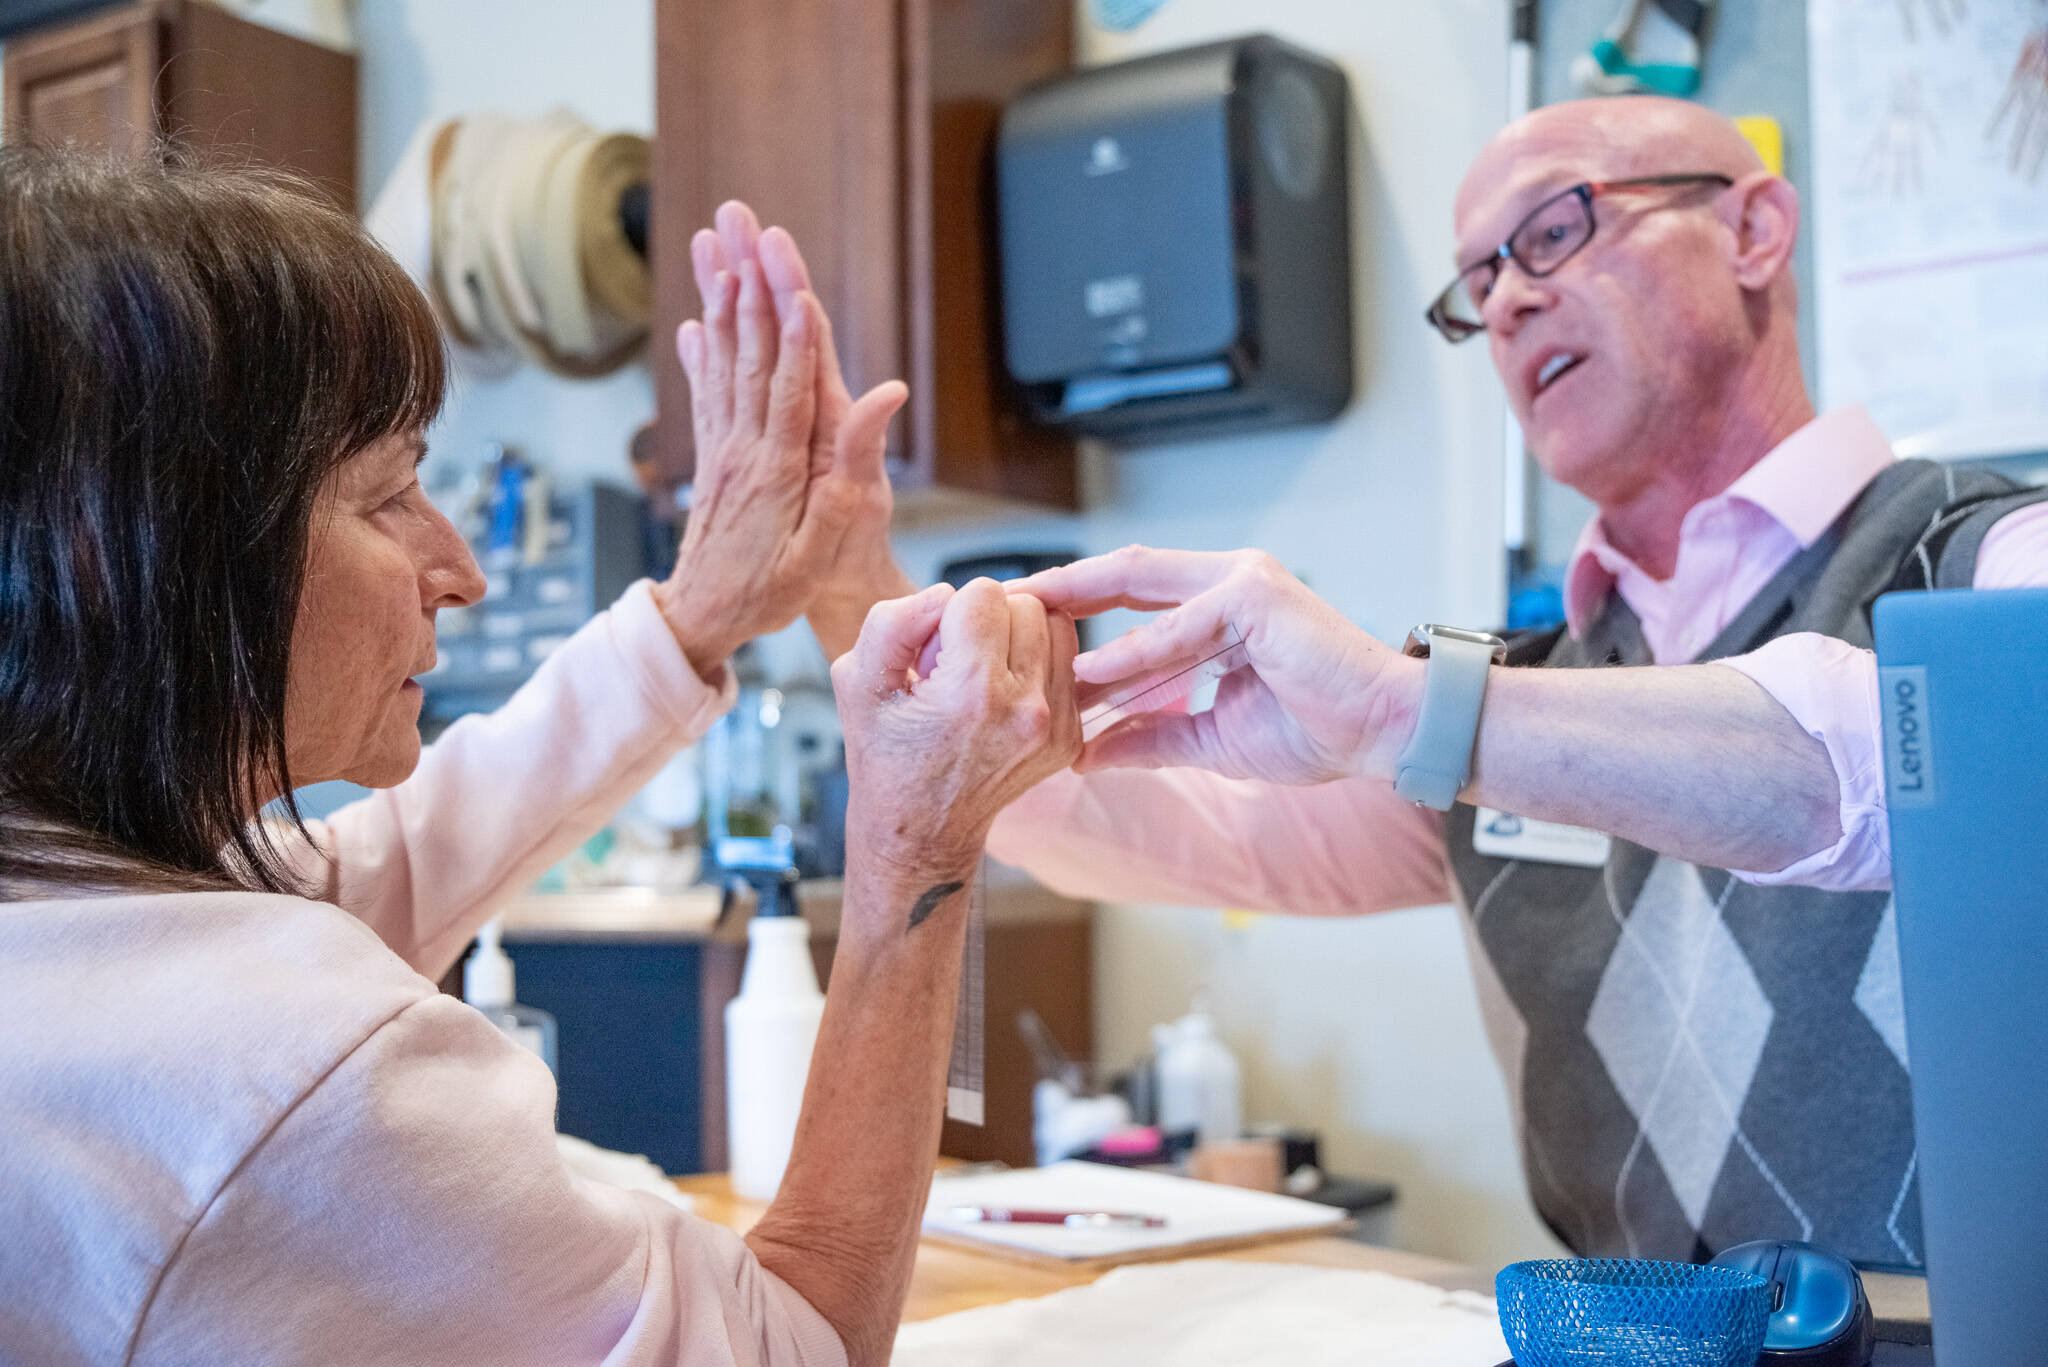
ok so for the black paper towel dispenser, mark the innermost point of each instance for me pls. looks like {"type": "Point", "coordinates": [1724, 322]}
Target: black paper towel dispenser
{"type": "Point", "coordinates": [1175, 236]}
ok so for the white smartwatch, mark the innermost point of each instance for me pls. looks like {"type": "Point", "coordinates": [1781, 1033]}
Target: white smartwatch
{"type": "Point", "coordinates": [1438, 761]}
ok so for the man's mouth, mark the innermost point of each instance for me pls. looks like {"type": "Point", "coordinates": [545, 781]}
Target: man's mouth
{"type": "Point", "coordinates": [1558, 365]}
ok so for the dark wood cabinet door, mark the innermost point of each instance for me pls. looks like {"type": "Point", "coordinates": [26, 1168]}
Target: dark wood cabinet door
{"type": "Point", "coordinates": [91, 82]}
{"type": "Point", "coordinates": [792, 106]}
{"type": "Point", "coordinates": [864, 127]}
{"type": "Point", "coordinates": [248, 90]}
{"type": "Point", "coordinates": [193, 73]}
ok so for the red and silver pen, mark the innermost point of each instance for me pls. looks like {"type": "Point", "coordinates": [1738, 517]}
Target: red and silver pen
{"type": "Point", "coordinates": [1072, 1219]}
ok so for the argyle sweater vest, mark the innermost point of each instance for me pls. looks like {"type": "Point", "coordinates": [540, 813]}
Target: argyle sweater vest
{"type": "Point", "coordinates": [1694, 1061]}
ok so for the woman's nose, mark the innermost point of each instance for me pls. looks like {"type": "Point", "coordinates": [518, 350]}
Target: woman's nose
{"type": "Point", "coordinates": [452, 578]}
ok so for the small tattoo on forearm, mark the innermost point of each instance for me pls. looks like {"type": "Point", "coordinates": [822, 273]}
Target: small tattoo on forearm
{"type": "Point", "coordinates": [929, 902]}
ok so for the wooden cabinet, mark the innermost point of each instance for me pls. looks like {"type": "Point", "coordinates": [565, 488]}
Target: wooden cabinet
{"type": "Point", "coordinates": [864, 127]}
{"type": "Point", "coordinates": [192, 72]}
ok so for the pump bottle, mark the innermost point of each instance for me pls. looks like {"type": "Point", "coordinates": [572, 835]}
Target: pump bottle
{"type": "Point", "coordinates": [770, 1029]}
{"type": "Point", "coordinates": [487, 985]}
{"type": "Point", "coordinates": [1198, 1080]}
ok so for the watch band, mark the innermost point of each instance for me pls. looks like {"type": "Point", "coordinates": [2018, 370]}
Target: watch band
{"type": "Point", "coordinates": [1438, 759]}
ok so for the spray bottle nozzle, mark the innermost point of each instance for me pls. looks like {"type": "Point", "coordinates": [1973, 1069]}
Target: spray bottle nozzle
{"type": "Point", "coordinates": [767, 864]}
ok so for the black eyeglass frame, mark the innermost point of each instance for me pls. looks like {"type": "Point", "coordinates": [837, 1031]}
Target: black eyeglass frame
{"type": "Point", "coordinates": [1458, 330]}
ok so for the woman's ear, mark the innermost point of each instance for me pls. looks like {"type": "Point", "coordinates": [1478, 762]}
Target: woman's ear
{"type": "Point", "coordinates": [1765, 225]}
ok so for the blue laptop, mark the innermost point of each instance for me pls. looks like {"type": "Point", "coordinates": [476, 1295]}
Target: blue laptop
{"type": "Point", "coordinates": [1964, 680]}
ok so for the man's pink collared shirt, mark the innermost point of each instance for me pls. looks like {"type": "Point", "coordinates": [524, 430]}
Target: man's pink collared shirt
{"type": "Point", "coordinates": [1190, 837]}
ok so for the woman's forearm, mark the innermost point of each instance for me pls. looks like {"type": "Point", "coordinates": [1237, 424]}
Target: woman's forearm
{"type": "Point", "coordinates": [1695, 761]}
{"type": "Point", "coordinates": [843, 1229]}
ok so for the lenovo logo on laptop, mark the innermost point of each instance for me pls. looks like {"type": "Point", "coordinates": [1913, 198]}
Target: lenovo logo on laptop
{"type": "Point", "coordinates": [1908, 737]}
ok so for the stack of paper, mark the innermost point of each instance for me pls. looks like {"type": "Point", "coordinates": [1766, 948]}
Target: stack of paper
{"type": "Point", "coordinates": [1201, 1214]}
{"type": "Point", "coordinates": [1218, 1313]}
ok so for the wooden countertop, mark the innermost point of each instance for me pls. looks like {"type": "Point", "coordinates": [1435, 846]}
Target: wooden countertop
{"type": "Point", "coordinates": [630, 914]}
{"type": "Point", "coordinates": [947, 1278]}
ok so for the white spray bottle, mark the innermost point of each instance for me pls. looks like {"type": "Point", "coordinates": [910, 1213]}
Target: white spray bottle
{"type": "Point", "coordinates": [770, 1030]}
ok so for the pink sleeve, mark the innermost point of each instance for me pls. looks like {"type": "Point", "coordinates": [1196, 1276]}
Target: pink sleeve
{"type": "Point", "coordinates": [1830, 688]}
{"type": "Point", "coordinates": [412, 1208]}
{"type": "Point", "coordinates": [503, 795]}
{"type": "Point", "coordinates": [1189, 837]}
{"type": "Point", "coordinates": [2015, 551]}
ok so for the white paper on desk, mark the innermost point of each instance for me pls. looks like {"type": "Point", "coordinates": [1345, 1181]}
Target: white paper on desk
{"type": "Point", "coordinates": [1213, 1312]}
{"type": "Point", "coordinates": [1193, 1211]}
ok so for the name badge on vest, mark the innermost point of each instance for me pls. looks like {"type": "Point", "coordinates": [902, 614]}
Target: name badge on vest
{"type": "Point", "coordinates": [1507, 836]}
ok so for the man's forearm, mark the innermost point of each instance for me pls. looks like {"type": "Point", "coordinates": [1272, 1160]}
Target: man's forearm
{"type": "Point", "coordinates": [843, 1229]}
{"type": "Point", "coordinates": [1695, 761]}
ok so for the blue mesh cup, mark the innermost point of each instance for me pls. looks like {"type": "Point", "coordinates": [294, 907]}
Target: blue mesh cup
{"type": "Point", "coordinates": [1591, 1312]}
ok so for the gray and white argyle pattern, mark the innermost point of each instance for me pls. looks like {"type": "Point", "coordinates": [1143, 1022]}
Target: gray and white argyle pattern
{"type": "Point", "coordinates": [1697, 1062]}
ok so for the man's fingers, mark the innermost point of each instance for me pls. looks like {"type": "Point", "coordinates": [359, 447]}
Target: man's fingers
{"type": "Point", "coordinates": [1135, 574]}
{"type": "Point", "coordinates": [863, 445]}
{"type": "Point", "coordinates": [792, 395]}
{"type": "Point", "coordinates": [1185, 635]}
{"type": "Point", "coordinates": [1153, 740]}
{"type": "Point", "coordinates": [1081, 608]}
{"type": "Point", "coordinates": [892, 638]}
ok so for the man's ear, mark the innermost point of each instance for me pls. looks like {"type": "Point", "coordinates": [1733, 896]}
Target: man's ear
{"type": "Point", "coordinates": [1765, 223]}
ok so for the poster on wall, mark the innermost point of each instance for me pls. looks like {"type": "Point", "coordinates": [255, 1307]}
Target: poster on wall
{"type": "Point", "coordinates": [1930, 173]}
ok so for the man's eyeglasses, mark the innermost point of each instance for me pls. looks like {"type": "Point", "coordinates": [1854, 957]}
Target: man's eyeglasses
{"type": "Point", "coordinates": [1551, 235]}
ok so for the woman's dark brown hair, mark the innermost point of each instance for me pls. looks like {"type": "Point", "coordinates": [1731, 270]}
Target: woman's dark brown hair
{"type": "Point", "coordinates": [186, 353]}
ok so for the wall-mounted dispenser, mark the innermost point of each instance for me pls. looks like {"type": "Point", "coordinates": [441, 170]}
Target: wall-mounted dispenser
{"type": "Point", "coordinates": [1175, 235]}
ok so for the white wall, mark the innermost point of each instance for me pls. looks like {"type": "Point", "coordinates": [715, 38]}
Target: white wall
{"type": "Point", "coordinates": [1366, 1029]}
{"type": "Point", "coordinates": [423, 59]}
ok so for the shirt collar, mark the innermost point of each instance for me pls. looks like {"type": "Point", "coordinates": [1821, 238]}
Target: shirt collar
{"type": "Point", "coordinates": [1803, 484]}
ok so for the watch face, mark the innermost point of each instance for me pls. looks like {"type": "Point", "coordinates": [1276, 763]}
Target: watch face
{"type": "Point", "coordinates": [1418, 640]}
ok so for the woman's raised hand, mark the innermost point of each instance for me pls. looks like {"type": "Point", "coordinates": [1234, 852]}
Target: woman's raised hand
{"type": "Point", "coordinates": [932, 757]}
{"type": "Point", "coordinates": [782, 449]}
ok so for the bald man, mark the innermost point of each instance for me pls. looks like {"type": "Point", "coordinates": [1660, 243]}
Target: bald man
{"type": "Point", "coordinates": [1690, 972]}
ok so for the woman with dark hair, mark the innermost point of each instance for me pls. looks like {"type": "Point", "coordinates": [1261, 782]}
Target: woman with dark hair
{"type": "Point", "coordinates": [237, 1122]}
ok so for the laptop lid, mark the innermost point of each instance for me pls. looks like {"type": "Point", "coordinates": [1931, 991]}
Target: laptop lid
{"type": "Point", "coordinates": [1963, 678]}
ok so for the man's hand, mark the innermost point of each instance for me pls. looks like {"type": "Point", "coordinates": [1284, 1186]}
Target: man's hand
{"type": "Point", "coordinates": [1316, 703]}
{"type": "Point", "coordinates": [847, 442]}
{"type": "Point", "coordinates": [1694, 761]}
{"type": "Point", "coordinates": [932, 756]}
{"type": "Point", "coordinates": [773, 501]}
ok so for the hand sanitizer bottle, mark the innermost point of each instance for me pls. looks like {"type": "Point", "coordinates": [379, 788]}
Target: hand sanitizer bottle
{"type": "Point", "coordinates": [770, 1030]}
{"type": "Point", "coordinates": [487, 985]}
{"type": "Point", "coordinates": [1198, 1080]}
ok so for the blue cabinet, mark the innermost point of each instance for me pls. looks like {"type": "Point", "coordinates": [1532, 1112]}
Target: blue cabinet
{"type": "Point", "coordinates": [631, 1054]}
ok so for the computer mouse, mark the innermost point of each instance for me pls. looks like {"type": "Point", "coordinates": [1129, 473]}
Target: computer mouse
{"type": "Point", "coordinates": [1819, 1314]}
